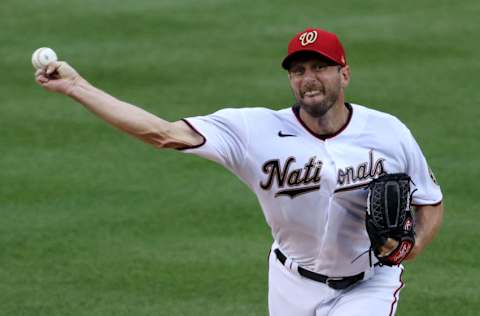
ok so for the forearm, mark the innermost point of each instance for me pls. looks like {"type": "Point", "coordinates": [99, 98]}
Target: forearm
{"type": "Point", "coordinates": [60, 77]}
{"type": "Point", "coordinates": [428, 219]}
{"type": "Point", "coordinates": [124, 116]}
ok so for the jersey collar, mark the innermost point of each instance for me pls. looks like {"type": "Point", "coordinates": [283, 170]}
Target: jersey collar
{"type": "Point", "coordinates": [296, 111]}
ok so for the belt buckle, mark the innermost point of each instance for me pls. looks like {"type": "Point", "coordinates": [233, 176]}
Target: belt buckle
{"type": "Point", "coordinates": [329, 281]}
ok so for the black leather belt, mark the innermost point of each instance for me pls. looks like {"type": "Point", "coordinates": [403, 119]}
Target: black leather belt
{"type": "Point", "coordinates": [334, 283]}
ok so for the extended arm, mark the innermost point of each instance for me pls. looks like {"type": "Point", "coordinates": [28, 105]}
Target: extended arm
{"type": "Point", "coordinates": [62, 78]}
{"type": "Point", "coordinates": [428, 221]}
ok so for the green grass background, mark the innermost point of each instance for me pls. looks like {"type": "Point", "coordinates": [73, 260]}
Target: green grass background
{"type": "Point", "coordinates": [95, 223]}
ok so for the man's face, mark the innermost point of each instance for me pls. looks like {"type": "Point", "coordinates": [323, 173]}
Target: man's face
{"type": "Point", "coordinates": [317, 84]}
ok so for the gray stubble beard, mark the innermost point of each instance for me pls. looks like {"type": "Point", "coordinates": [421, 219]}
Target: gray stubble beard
{"type": "Point", "coordinates": [320, 109]}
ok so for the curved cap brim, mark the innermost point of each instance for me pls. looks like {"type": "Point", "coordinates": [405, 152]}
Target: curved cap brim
{"type": "Point", "coordinates": [305, 52]}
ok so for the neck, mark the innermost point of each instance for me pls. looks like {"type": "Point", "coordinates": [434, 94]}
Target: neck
{"type": "Point", "coordinates": [330, 123]}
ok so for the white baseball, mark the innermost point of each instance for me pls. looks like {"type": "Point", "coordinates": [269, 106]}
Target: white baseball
{"type": "Point", "coordinates": [42, 57]}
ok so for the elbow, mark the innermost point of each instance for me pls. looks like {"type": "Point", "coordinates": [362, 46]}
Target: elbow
{"type": "Point", "coordinates": [160, 139]}
{"type": "Point", "coordinates": [171, 135]}
{"type": "Point", "coordinates": [156, 139]}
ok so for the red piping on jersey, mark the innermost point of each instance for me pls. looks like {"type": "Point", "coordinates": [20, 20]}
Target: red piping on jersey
{"type": "Point", "coordinates": [204, 139]}
{"type": "Point", "coordinates": [296, 111]}
{"type": "Point", "coordinates": [395, 294]}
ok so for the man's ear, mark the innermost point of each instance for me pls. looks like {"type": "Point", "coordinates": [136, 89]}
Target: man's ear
{"type": "Point", "coordinates": [345, 76]}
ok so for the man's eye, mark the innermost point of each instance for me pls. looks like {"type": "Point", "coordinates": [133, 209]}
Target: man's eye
{"type": "Point", "coordinates": [320, 67]}
{"type": "Point", "coordinates": [297, 72]}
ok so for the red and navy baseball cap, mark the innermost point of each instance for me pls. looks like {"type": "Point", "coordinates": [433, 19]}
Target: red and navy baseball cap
{"type": "Point", "coordinates": [316, 41]}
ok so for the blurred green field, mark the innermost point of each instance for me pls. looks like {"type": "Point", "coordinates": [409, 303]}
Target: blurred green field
{"type": "Point", "coordinates": [96, 223]}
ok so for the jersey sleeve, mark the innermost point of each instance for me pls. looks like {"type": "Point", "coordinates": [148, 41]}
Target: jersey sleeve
{"type": "Point", "coordinates": [225, 136]}
{"type": "Point", "coordinates": [428, 191]}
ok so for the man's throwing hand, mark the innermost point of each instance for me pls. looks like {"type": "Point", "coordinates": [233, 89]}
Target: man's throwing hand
{"type": "Point", "coordinates": [58, 76]}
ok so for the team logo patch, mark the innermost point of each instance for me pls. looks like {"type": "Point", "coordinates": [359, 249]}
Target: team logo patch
{"type": "Point", "coordinates": [307, 38]}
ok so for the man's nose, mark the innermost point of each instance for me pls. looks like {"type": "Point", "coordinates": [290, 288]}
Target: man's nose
{"type": "Point", "coordinates": [309, 75]}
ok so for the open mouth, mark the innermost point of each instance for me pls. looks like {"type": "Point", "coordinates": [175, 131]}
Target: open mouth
{"type": "Point", "coordinates": [311, 93]}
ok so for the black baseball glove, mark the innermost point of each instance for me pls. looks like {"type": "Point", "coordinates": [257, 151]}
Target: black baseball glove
{"type": "Point", "coordinates": [389, 216]}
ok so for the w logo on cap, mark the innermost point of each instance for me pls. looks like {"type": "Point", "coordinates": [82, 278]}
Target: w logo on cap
{"type": "Point", "coordinates": [318, 41]}
{"type": "Point", "coordinates": [308, 37]}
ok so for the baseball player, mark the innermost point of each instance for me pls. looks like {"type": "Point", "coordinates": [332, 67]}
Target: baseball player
{"type": "Point", "coordinates": [308, 166]}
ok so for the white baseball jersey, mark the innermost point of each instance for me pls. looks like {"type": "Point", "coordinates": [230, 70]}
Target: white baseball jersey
{"type": "Point", "coordinates": [312, 188]}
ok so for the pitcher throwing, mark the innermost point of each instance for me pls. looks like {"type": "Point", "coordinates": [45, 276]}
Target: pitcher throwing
{"type": "Point", "coordinates": [310, 166]}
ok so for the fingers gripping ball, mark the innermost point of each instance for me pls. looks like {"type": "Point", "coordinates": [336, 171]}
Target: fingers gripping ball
{"type": "Point", "coordinates": [42, 57]}
{"type": "Point", "coordinates": [389, 215]}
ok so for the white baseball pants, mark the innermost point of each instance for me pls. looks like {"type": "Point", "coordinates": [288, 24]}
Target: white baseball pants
{"type": "Point", "coordinates": [290, 294]}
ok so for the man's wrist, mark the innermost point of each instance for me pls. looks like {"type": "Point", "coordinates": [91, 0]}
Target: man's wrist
{"type": "Point", "coordinates": [77, 85]}
{"type": "Point", "coordinates": [417, 248]}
